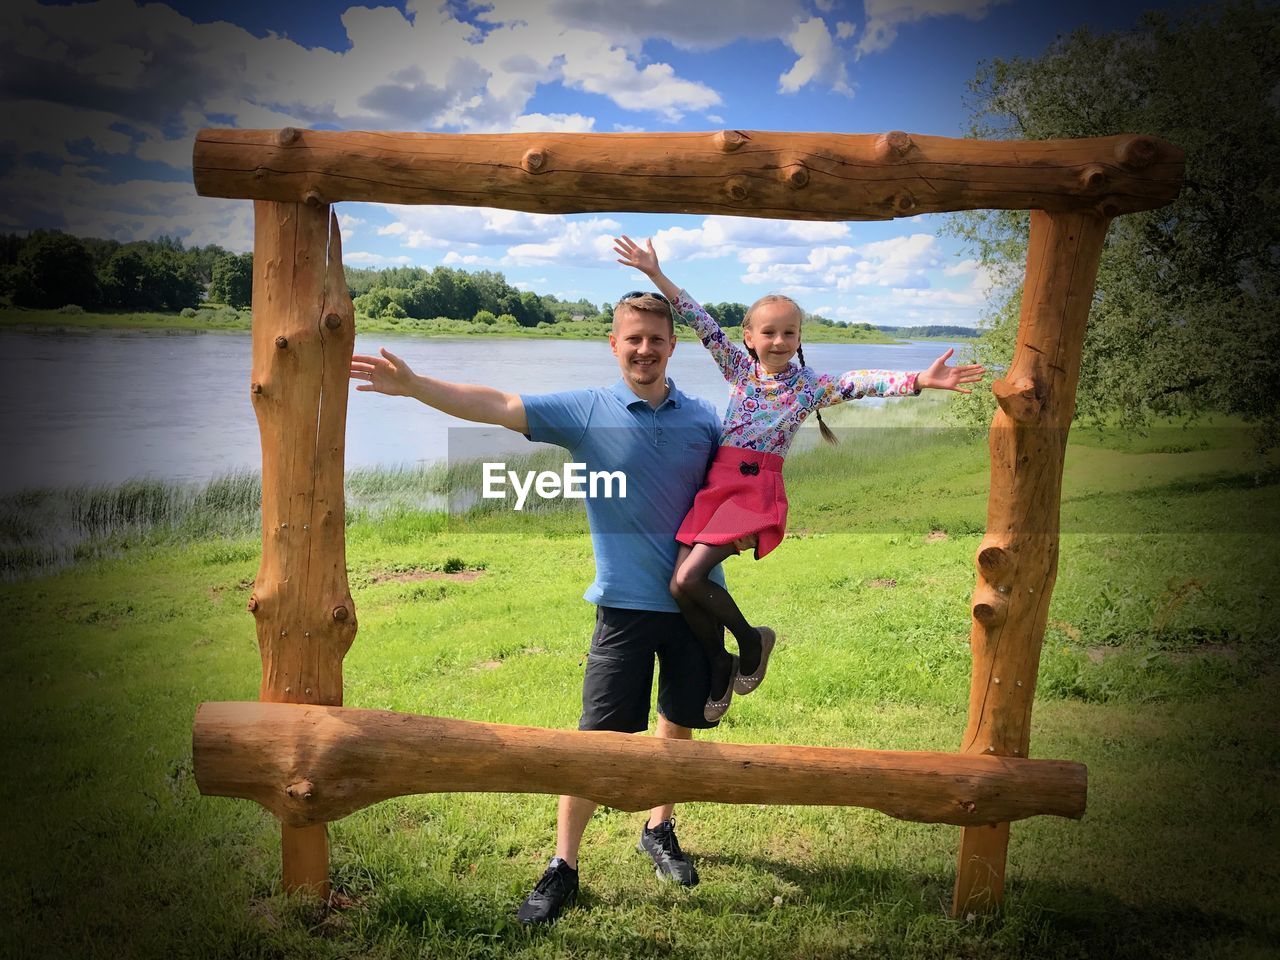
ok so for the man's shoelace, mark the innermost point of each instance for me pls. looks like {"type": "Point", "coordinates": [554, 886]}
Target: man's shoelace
{"type": "Point", "coordinates": [666, 837]}
{"type": "Point", "coordinates": [549, 879]}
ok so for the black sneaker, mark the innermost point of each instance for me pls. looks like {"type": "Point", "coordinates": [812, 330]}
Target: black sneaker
{"type": "Point", "coordinates": [669, 860]}
{"type": "Point", "coordinates": [557, 889]}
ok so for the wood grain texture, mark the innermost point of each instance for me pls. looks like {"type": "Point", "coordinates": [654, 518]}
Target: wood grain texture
{"type": "Point", "coordinates": [749, 173]}
{"type": "Point", "coordinates": [303, 336]}
{"type": "Point", "coordinates": [309, 764]}
{"type": "Point", "coordinates": [1017, 561]}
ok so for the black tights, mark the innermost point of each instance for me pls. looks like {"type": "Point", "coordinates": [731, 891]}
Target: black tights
{"type": "Point", "coordinates": [709, 610]}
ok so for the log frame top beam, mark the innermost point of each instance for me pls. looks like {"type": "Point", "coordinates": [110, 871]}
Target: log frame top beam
{"type": "Point", "coordinates": [801, 176]}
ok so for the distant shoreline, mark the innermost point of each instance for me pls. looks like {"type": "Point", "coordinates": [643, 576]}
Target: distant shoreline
{"type": "Point", "coordinates": [54, 321]}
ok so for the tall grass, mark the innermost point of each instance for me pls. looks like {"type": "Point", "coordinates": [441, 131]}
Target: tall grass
{"type": "Point", "coordinates": [45, 530]}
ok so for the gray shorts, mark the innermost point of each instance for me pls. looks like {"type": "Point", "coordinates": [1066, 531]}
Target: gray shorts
{"type": "Point", "coordinates": [618, 684]}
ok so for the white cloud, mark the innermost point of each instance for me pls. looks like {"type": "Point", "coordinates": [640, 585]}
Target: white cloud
{"type": "Point", "coordinates": [551, 122]}
{"type": "Point", "coordinates": [446, 226]}
{"type": "Point", "coordinates": [114, 78]}
{"type": "Point", "coordinates": [348, 224]}
{"type": "Point", "coordinates": [885, 16]}
{"type": "Point", "coordinates": [583, 243]}
{"type": "Point", "coordinates": [455, 259]}
{"type": "Point", "coordinates": [73, 200]}
{"type": "Point", "coordinates": [820, 60]}
{"type": "Point", "coordinates": [720, 236]}
{"type": "Point", "coordinates": [694, 26]}
{"type": "Point", "coordinates": [364, 258]}
{"type": "Point", "coordinates": [845, 30]}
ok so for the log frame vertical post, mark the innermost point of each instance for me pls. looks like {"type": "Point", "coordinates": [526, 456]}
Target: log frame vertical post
{"type": "Point", "coordinates": [303, 338]}
{"type": "Point", "coordinates": [1017, 560]}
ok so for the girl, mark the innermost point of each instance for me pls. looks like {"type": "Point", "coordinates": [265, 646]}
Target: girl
{"type": "Point", "coordinates": [742, 503]}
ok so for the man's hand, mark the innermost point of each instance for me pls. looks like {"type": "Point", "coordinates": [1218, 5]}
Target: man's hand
{"type": "Point", "coordinates": [941, 377]}
{"type": "Point", "coordinates": [385, 374]}
{"type": "Point", "coordinates": [630, 254]}
{"type": "Point", "coordinates": [390, 375]}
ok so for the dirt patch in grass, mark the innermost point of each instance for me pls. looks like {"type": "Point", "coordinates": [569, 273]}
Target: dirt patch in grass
{"type": "Point", "coordinates": [1207, 650]}
{"type": "Point", "coordinates": [414, 576]}
{"type": "Point", "coordinates": [488, 665]}
{"type": "Point", "coordinates": [935, 535]}
{"type": "Point", "coordinates": [884, 583]}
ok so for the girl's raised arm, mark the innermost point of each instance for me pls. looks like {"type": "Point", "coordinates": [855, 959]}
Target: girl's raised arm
{"type": "Point", "coordinates": [856, 384]}
{"type": "Point", "coordinates": [729, 357]}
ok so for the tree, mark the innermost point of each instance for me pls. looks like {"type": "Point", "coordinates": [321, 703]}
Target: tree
{"type": "Point", "coordinates": [55, 269]}
{"type": "Point", "coordinates": [1184, 318]}
{"type": "Point", "coordinates": [727, 314]}
{"type": "Point", "coordinates": [232, 280]}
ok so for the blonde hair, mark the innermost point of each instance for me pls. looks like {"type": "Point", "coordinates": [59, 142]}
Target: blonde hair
{"type": "Point", "coordinates": [646, 303]}
{"type": "Point", "coordinates": [826, 431]}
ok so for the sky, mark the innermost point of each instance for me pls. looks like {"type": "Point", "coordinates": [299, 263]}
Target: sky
{"type": "Point", "coordinates": [102, 102]}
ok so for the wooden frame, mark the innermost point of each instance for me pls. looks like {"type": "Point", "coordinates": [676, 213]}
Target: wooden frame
{"type": "Point", "coordinates": [312, 764]}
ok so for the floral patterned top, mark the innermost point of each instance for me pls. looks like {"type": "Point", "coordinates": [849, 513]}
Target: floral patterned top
{"type": "Point", "coordinates": [766, 410]}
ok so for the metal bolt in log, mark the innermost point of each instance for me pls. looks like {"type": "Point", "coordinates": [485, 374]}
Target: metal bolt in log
{"type": "Point", "coordinates": [340, 614]}
{"type": "Point", "coordinates": [730, 140]}
{"type": "Point", "coordinates": [534, 160]}
{"type": "Point", "coordinates": [287, 136]}
{"type": "Point", "coordinates": [332, 321]}
{"type": "Point", "coordinates": [893, 145]}
{"type": "Point", "coordinates": [737, 188]}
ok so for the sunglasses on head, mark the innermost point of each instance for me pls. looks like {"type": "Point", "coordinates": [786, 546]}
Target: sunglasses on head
{"type": "Point", "coordinates": [643, 293]}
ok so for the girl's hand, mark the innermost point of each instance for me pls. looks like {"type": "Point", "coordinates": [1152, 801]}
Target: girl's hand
{"type": "Point", "coordinates": [941, 377]}
{"type": "Point", "coordinates": [631, 255]}
{"type": "Point", "coordinates": [385, 374]}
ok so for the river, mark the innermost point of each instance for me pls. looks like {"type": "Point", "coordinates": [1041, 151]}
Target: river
{"type": "Point", "coordinates": [105, 406]}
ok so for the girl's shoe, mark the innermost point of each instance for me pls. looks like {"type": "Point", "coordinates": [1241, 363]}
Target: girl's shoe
{"type": "Point", "coordinates": [715, 709]}
{"type": "Point", "coordinates": [745, 684]}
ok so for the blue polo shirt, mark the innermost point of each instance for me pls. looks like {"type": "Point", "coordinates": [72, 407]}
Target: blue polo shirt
{"type": "Point", "coordinates": [663, 452]}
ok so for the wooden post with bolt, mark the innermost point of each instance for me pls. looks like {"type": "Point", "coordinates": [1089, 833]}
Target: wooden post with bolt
{"type": "Point", "coordinates": [303, 335]}
{"type": "Point", "coordinates": [1018, 559]}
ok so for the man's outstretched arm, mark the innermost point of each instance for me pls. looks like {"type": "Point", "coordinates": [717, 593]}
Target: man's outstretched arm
{"type": "Point", "coordinates": [390, 375]}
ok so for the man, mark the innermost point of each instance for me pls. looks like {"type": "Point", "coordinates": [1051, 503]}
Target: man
{"type": "Point", "coordinates": [662, 440]}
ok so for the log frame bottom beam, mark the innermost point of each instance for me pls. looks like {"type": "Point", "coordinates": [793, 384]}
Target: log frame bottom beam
{"type": "Point", "coordinates": [310, 764]}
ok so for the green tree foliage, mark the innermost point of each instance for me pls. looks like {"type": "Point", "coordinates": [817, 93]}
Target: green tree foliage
{"type": "Point", "coordinates": [231, 281]}
{"type": "Point", "coordinates": [54, 269]}
{"type": "Point", "coordinates": [49, 268]}
{"type": "Point", "coordinates": [1184, 320]}
{"type": "Point", "coordinates": [156, 278]}
{"type": "Point", "coordinates": [727, 314]}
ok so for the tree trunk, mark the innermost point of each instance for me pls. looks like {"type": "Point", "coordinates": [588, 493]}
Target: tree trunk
{"type": "Point", "coordinates": [303, 335]}
{"type": "Point", "coordinates": [1018, 558]}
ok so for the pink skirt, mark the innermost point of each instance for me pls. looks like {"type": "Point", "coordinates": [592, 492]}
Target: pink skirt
{"type": "Point", "coordinates": [742, 495]}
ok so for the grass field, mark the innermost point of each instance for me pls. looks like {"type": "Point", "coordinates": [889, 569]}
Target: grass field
{"type": "Point", "coordinates": [1158, 672]}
